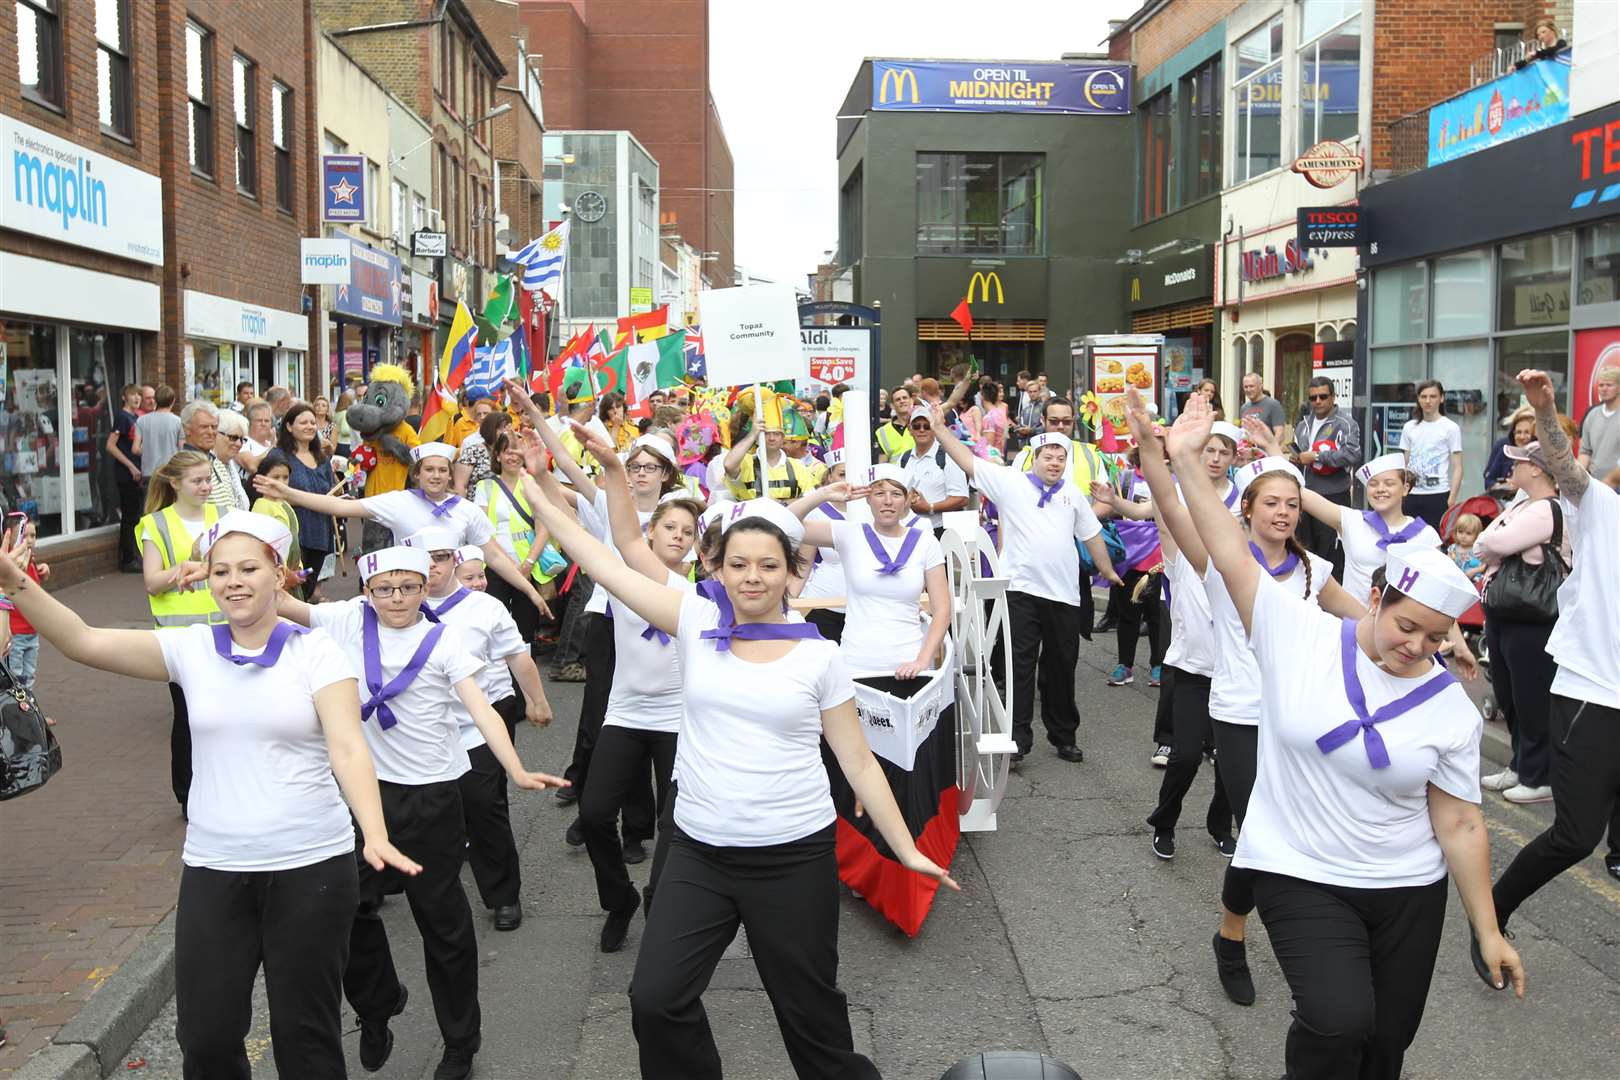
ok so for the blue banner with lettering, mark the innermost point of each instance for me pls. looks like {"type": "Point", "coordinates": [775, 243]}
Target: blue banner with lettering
{"type": "Point", "coordinates": [343, 187]}
{"type": "Point", "coordinates": [373, 291]}
{"type": "Point", "coordinates": [1501, 110]}
{"type": "Point", "coordinates": [992, 86]}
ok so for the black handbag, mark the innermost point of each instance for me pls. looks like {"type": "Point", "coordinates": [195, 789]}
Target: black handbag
{"type": "Point", "coordinates": [1529, 594]}
{"type": "Point", "coordinates": [29, 752]}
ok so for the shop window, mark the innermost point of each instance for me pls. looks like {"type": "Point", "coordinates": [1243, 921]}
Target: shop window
{"type": "Point", "coordinates": [1462, 294]}
{"type": "Point", "coordinates": [1535, 281]}
{"type": "Point", "coordinates": [97, 362]}
{"type": "Point", "coordinates": [1600, 264]}
{"type": "Point", "coordinates": [1400, 304]}
{"type": "Point", "coordinates": [1395, 375]}
{"type": "Point", "coordinates": [200, 98]}
{"type": "Point", "coordinates": [245, 106]}
{"type": "Point", "coordinates": [115, 93]}
{"type": "Point", "coordinates": [1201, 94]}
{"type": "Point", "coordinates": [1545, 352]}
{"type": "Point", "coordinates": [1257, 100]}
{"type": "Point", "coordinates": [1154, 171]}
{"type": "Point", "coordinates": [39, 51]}
{"type": "Point", "coordinates": [1326, 334]}
{"type": "Point", "coordinates": [373, 197]}
{"type": "Point", "coordinates": [30, 478]}
{"type": "Point", "coordinates": [1329, 72]}
{"type": "Point", "coordinates": [1464, 369]}
{"type": "Point", "coordinates": [1257, 356]}
{"type": "Point", "coordinates": [980, 204]}
{"type": "Point", "coordinates": [281, 127]}
{"type": "Point", "coordinates": [1240, 351]}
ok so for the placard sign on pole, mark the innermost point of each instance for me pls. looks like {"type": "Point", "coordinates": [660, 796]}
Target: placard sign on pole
{"type": "Point", "coordinates": [751, 335]}
{"type": "Point", "coordinates": [857, 449]}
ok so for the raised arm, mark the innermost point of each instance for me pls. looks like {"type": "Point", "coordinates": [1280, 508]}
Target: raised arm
{"type": "Point", "coordinates": [573, 470]}
{"type": "Point", "coordinates": [818, 531]}
{"type": "Point", "coordinates": [1571, 478]}
{"type": "Point", "coordinates": [1173, 516]}
{"type": "Point", "coordinates": [739, 452]}
{"type": "Point", "coordinates": [955, 449]}
{"type": "Point", "coordinates": [622, 517]}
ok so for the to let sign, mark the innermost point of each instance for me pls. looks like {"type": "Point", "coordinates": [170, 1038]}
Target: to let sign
{"type": "Point", "coordinates": [1330, 226]}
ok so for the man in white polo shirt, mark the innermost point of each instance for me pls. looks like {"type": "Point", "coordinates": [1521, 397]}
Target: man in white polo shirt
{"type": "Point", "coordinates": [938, 485]}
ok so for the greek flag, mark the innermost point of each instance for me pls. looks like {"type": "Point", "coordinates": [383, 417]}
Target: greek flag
{"type": "Point", "coordinates": [543, 259]}
{"type": "Point", "coordinates": [491, 364]}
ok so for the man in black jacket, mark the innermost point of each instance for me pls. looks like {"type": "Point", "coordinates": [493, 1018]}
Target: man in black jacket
{"type": "Point", "coordinates": [1328, 444]}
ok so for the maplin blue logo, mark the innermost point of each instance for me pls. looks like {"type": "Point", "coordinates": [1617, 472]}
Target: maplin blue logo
{"type": "Point", "coordinates": [254, 323]}
{"type": "Point", "coordinates": [74, 194]}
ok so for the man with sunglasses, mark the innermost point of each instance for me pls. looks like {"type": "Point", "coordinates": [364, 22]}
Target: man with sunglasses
{"type": "Point", "coordinates": [1331, 452]}
{"type": "Point", "coordinates": [937, 483]}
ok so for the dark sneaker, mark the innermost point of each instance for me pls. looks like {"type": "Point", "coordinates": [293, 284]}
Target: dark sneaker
{"type": "Point", "coordinates": [575, 836]}
{"type": "Point", "coordinates": [1232, 965]}
{"type": "Point", "coordinates": [1225, 845]}
{"type": "Point", "coordinates": [376, 1041]}
{"type": "Point", "coordinates": [1072, 754]}
{"type": "Point", "coordinates": [457, 1063]}
{"type": "Point", "coordinates": [1164, 843]}
{"type": "Point", "coordinates": [567, 796]}
{"type": "Point", "coordinates": [616, 926]}
{"type": "Point", "coordinates": [1160, 756]}
{"type": "Point", "coordinates": [634, 852]}
{"type": "Point", "coordinates": [1018, 757]}
{"type": "Point", "coordinates": [569, 673]}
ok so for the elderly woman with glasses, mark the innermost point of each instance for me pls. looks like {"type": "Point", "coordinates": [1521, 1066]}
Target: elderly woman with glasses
{"type": "Point", "coordinates": [227, 492]}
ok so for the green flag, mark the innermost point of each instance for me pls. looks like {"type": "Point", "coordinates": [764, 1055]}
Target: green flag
{"type": "Point", "coordinates": [498, 306]}
{"type": "Point", "coordinates": [658, 364]}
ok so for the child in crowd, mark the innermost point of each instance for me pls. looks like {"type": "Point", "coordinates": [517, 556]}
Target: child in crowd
{"type": "Point", "coordinates": [1464, 532]}
{"type": "Point", "coordinates": [23, 659]}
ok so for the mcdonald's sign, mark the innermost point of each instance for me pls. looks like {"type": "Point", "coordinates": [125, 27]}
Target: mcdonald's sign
{"type": "Point", "coordinates": [897, 78]}
{"type": "Point", "coordinates": [981, 281]}
{"type": "Point", "coordinates": [1136, 288]}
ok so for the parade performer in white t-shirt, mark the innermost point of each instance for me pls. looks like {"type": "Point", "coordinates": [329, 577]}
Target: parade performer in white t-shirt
{"type": "Point", "coordinates": [278, 751]}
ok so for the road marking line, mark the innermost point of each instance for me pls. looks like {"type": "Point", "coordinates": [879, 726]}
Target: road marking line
{"type": "Point", "coordinates": [1584, 877]}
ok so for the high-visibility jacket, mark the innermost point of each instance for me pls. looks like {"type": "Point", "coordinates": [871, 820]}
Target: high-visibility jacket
{"type": "Point", "coordinates": [1085, 464]}
{"type": "Point", "coordinates": [520, 522]}
{"type": "Point", "coordinates": [788, 479]}
{"type": "Point", "coordinates": [894, 441]}
{"type": "Point", "coordinates": [178, 607]}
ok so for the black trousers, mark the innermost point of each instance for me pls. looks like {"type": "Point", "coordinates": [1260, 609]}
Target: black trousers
{"type": "Point", "coordinates": [425, 822]}
{"type": "Point", "coordinates": [293, 922]}
{"type": "Point", "coordinates": [639, 811]}
{"type": "Point", "coordinates": [1163, 717]}
{"type": "Point", "coordinates": [519, 606]}
{"type": "Point", "coordinates": [1237, 746]}
{"type": "Point", "coordinates": [828, 621]}
{"type": "Point", "coordinates": [1431, 508]}
{"type": "Point", "coordinates": [786, 897]}
{"type": "Point", "coordinates": [1045, 647]}
{"type": "Point", "coordinates": [1585, 778]}
{"type": "Point", "coordinates": [1129, 630]}
{"type": "Point", "coordinates": [618, 767]}
{"type": "Point", "coordinates": [179, 747]}
{"type": "Point", "coordinates": [1192, 732]}
{"type": "Point", "coordinates": [1323, 540]}
{"type": "Point", "coordinates": [1521, 679]}
{"type": "Point", "coordinates": [491, 848]}
{"type": "Point", "coordinates": [1358, 962]}
{"type": "Point", "coordinates": [131, 498]}
{"type": "Point", "coordinates": [571, 639]}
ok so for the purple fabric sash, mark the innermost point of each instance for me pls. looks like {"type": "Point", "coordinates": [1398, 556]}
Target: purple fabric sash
{"type": "Point", "coordinates": [435, 613]}
{"type": "Point", "coordinates": [372, 650]}
{"type": "Point", "coordinates": [1282, 569]}
{"type": "Point", "coordinates": [1231, 496]}
{"type": "Point", "coordinates": [1046, 492]}
{"type": "Point", "coordinates": [833, 512]}
{"type": "Point", "coordinates": [653, 632]}
{"type": "Point", "coordinates": [279, 636]}
{"type": "Point", "coordinates": [886, 565]}
{"type": "Point", "coordinates": [439, 509]}
{"type": "Point", "coordinates": [728, 629]}
{"type": "Point", "coordinates": [1377, 524]}
{"type": "Point", "coordinates": [1377, 755]}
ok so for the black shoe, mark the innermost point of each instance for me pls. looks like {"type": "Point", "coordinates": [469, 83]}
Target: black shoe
{"type": "Point", "coordinates": [376, 1041]}
{"type": "Point", "coordinates": [509, 916]}
{"type": "Point", "coordinates": [1225, 845]}
{"type": "Point", "coordinates": [1104, 625]}
{"type": "Point", "coordinates": [457, 1063]}
{"type": "Point", "coordinates": [1071, 753]}
{"type": "Point", "coordinates": [1486, 975]}
{"type": "Point", "coordinates": [566, 796]}
{"type": "Point", "coordinates": [1018, 757]}
{"type": "Point", "coordinates": [1164, 843]}
{"type": "Point", "coordinates": [1232, 965]}
{"type": "Point", "coordinates": [634, 852]}
{"type": "Point", "coordinates": [1612, 862]}
{"type": "Point", "coordinates": [616, 927]}
{"type": "Point", "coordinates": [575, 836]}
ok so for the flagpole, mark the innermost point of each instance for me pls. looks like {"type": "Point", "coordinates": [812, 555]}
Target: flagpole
{"type": "Point", "coordinates": [759, 444]}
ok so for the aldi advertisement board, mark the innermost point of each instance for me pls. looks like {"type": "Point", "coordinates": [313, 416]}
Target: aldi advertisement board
{"type": "Point", "coordinates": [833, 355]}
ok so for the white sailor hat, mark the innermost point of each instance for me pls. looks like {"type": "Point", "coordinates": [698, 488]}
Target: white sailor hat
{"type": "Point", "coordinates": [468, 552]}
{"type": "Point", "coordinates": [432, 538]}
{"type": "Point", "coordinates": [1254, 470]}
{"type": "Point", "coordinates": [1427, 575]}
{"type": "Point", "coordinates": [655, 444]}
{"type": "Point", "coordinates": [715, 513]}
{"type": "Point", "coordinates": [433, 449]}
{"type": "Point", "coordinates": [260, 526]}
{"type": "Point", "coordinates": [892, 473]}
{"type": "Point", "coordinates": [1049, 438]}
{"type": "Point", "coordinates": [1227, 430]}
{"type": "Point", "coordinates": [769, 510]}
{"type": "Point", "coordinates": [833, 457]}
{"type": "Point", "coordinates": [681, 495]}
{"type": "Point", "coordinates": [381, 561]}
{"type": "Point", "coordinates": [1384, 464]}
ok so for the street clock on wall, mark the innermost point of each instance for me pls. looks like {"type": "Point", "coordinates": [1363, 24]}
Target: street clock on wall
{"type": "Point", "coordinates": [589, 206]}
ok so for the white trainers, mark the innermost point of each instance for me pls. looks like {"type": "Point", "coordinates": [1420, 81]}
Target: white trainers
{"type": "Point", "coordinates": [1519, 793]}
{"type": "Point", "coordinates": [1499, 781]}
{"type": "Point", "coordinates": [1161, 756]}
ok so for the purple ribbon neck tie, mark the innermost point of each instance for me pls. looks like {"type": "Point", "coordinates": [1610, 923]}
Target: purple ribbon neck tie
{"type": "Point", "coordinates": [886, 565]}
{"type": "Point", "coordinates": [1046, 492]}
{"type": "Point", "coordinates": [372, 649]}
{"type": "Point", "coordinates": [439, 509]}
{"type": "Point", "coordinates": [1377, 755]}
{"type": "Point", "coordinates": [435, 613]}
{"type": "Point", "coordinates": [1385, 538]}
{"type": "Point", "coordinates": [279, 636]}
{"type": "Point", "coordinates": [1282, 569]}
{"type": "Point", "coordinates": [832, 511]}
{"type": "Point", "coordinates": [728, 629]}
{"type": "Point", "coordinates": [653, 632]}
{"type": "Point", "coordinates": [1232, 495]}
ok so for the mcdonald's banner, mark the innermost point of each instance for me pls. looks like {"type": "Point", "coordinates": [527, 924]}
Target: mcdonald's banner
{"type": "Point", "coordinates": [982, 285]}
{"type": "Point", "coordinates": [991, 86]}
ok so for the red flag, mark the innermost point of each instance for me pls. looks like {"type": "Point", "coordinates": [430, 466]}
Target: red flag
{"type": "Point", "coordinates": [1108, 442]}
{"type": "Point", "coordinates": [964, 318]}
{"type": "Point", "coordinates": [632, 325]}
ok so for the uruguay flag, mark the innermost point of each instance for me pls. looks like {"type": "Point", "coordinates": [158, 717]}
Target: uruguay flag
{"type": "Point", "coordinates": [543, 260]}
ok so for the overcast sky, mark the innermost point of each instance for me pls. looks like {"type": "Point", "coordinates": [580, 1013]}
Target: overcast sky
{"type": "Point", "coordinates": [780, 71]}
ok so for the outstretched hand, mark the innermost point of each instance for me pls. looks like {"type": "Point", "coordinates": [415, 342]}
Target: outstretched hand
{"type": "Point", "coordinates": [13, 560]}
{"type": "Point", "coordinates": [271, 488]}
{"type": "Point", "coordinates": [1191, 429]}
{"type": "Point", "coordinates": [1142, 426]}
{"type": "Point", "coordinates": [599, 448]}
{"type": "Point", "coordinates": [918, 863]}
{"type": "Point", "coordinates": [1538, 389]}
{"type": "Point", "coordinates": [518, 394]}
{"type": "Point", "coordinates": [383, 855]}
{"type": "Point", "coordinates": [1261, 435]}
{"type": "Point", "coordinates": [537, 781]}
{"type": "Point", "coordinates": [536, 459]}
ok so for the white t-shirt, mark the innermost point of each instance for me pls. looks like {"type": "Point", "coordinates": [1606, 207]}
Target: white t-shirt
{"type": "Point", "coordinates": [925, 476]}
{"type": "Point", "coordinates": [646, 692]}
{"type": "Point", "coordinates": [1586, 639]}
{"type": "Point", "coordinates": [489, 633]}
{"type": "Point", "coordinates": [714, 478]}
{"type": "Point", "coordinates": [1192, 635]}
{"type": "Point", "coordinates": [262, 792]}
{"type": "Point", "coordinates": [1234, 688]}
{"type": "Point", "coordinates": [1333, 818]}
{"type": "Point", "coordinates": [508, 520]}
{"type": "Point", "coordinates": [827, 576]}
{"type": "Point", "coordinates": [749, 755]}
{"type": "Point", "coordinates": [424, 747]}
{"type": "Point", "coordinates": [1363, 556]}
{"type": "Point", "coordinates": [1038, 553]}
{"type": "Point", "coordinates": [406, 513]}
{"type": "Point", "coordinates": [1429, 446]}
{"type": "Point", "coordinates": [884, 628]}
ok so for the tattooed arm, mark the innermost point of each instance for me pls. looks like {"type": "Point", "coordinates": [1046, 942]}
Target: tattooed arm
{"type": "Point", "coordinates": [1566, 471]}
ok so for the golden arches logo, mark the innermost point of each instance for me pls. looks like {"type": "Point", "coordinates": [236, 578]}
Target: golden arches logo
{"type": "Point", "coordinates": [982, 282]}
{"type": "Point", "coordinates": [1136, 288]}
{"type": "Point", "coordinates": [898, 77]}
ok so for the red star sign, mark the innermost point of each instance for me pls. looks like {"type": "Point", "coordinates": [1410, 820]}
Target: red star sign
{"type": "Point", "coordinates": [343, 191]}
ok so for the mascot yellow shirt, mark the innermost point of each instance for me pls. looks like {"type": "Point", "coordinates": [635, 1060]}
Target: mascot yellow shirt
{"type": "Point", "coordinates": [391, 474]}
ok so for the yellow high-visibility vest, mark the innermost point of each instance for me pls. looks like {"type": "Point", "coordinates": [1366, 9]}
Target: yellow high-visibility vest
{"type": "Point", "coordinates": [178, 607]}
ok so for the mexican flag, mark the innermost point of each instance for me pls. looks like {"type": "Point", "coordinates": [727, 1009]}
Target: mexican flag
{"type": "Point", "coordinates": [657, 364]}
{"type": "Point", "coordinates": [612, 367]}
